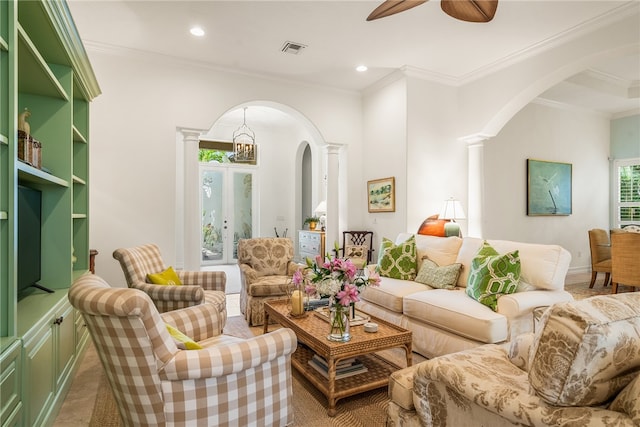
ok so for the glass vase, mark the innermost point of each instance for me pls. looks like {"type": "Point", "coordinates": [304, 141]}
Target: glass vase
{"type": "Point", "coordinates": [339, 323]}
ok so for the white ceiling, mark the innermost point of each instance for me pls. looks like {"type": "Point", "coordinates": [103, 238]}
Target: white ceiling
{"type": "Point", "coordinates": [247, 36]}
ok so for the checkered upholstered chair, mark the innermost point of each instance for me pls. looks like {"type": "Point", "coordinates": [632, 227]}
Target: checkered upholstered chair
{"type": "Point", "coordinates": [266, 266]}
{"type": "Point", "coordinates": [197, 286]}
{"type": "Point", "coordinates": [230, 382]}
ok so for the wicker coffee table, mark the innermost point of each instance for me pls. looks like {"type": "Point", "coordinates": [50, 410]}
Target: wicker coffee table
{"type": "Point", "coordinates": [312, 333]}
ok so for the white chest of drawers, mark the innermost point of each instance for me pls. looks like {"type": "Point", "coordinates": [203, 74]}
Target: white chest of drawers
{"type": "Point", "coordinates": [310, 244]}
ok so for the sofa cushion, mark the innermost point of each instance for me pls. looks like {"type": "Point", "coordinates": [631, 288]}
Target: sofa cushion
{"type": "Point", "coordinates": [442, 250]}
{"type": "Point", "coordinates": [391, 292]}
{"type": "Point", "coordinates": [454, 311]}
{"type": "Point", "coordinates": [440, 277]}
{"type": "Point", "coordinates": [542, 266]}
{"type": "Point", "coordinates": [626, 401]}
{"type": "Point", "coordinates": [493, 275]}
{"type": "Point", "coordinates": [398, 261]}
{"type": "Point", "coordinates": [586, 351]}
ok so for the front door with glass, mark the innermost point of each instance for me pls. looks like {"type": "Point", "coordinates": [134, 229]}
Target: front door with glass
{"type": "Point", "coordinates": [228, 198]}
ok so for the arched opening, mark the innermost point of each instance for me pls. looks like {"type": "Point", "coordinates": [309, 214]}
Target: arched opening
{"type": "Point", "coordinates": [286, 177]}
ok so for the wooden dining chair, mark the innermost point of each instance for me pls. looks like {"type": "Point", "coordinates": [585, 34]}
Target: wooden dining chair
{"type": "Point", "coordinates": [600, 255]}
{"type": "Point", "coordinates": [625, 260]}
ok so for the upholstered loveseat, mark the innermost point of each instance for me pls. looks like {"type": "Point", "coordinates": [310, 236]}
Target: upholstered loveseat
{"type": "Point", "coordinates": [580, 368]}
{"type": "Point", "coordinates": [445, 321]}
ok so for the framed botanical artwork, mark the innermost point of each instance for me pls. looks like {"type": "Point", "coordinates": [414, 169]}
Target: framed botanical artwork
{"type": "Point", "coordinates": [548, 188]}
{"type": "Point", "coordinates": [381, 195]}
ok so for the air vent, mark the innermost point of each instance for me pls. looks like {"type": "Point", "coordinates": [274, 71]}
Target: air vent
{"type": "Point", "coordinates": [293, 47]}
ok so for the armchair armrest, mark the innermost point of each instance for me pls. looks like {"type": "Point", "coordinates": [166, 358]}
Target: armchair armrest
{"type": "Point", "coordinates": [292, 266]}
{"type": "Point", "coordinates": [209, 280]}
{"type": "Point", "coordinates": [188, 293]}
{"type": "Point", "coordinates": [230, 358]}
{"type": "Point", "coordinates": [247, 273]}
{"type": "Point", "coordinates": [198, 321]}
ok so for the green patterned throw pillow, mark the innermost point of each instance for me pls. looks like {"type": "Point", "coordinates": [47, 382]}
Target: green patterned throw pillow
{"type": "Point", "coordinates": [432, 274]}
{"type": "Point", "coordinates": [493, 275]}
{"type": "Point", "coordinates": [398, 261]}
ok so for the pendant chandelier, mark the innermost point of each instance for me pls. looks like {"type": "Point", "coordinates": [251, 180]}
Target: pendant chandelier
{"type": "Point", "coordinates": [244, 142]}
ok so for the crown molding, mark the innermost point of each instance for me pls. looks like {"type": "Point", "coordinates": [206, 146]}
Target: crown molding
{"type": "Point", "coordinates": [126, 52]}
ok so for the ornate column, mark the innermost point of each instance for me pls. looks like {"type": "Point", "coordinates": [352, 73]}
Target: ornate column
{"type": "Point", "coordinates": [333, 215]}
{"type": "Point", "coordinates": [191, 222]}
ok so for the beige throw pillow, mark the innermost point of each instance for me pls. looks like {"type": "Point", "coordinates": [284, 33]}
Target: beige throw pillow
{"type": "Point", "coordinates": [432, 274]}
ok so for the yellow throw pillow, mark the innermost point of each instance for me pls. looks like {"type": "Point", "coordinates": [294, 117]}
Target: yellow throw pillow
{"type": "Point", "coordinates": [167, 277]}
{"type": "Point", "coordinates": [182, 341]}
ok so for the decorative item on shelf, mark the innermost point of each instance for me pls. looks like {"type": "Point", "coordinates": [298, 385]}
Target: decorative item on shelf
{"type": "Point", "coordinates": [321, 211]}
{"type": "Point", "coordinates": [452, 210]}
{"type": "Point", "coordinates": [23, 124]}
{"type": "Point", "coordinates": [337, 278]}
{"type": "Point", "coordinates": [29, 148]}
{"type": "Point", "coordinates": [312, 221]}
{"type": "Point", "coordinates": [297, 295]}
{"type": "Point", "coordinates": [244, 142]}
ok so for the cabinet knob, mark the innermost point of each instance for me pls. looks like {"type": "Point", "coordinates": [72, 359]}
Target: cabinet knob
{"type": "Point", "coordinates": [58, 321]}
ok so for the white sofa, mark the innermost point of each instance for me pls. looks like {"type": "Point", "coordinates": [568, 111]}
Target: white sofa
{"type": "Point", "coordinates": [447, 321]}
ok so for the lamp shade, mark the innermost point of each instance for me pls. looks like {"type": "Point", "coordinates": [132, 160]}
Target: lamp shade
{"type": "Point", "coordinates": [452, 209]}
{"type": "Point", "coordinates": [322, 207]}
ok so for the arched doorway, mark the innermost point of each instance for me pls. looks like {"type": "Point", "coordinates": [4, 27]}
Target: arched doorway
{"type": "Point", "coordinates": [287, 174]}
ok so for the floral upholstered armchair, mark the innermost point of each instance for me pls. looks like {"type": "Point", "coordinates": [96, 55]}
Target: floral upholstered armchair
{"type": "Point", "coordinates": [581, 367]}
{"type": "Point", "coordinates": [197, 286]}
{"type": "Point", "coordinates": [229, 381]}
{"type": "Point", "coordinates": [266, 266]}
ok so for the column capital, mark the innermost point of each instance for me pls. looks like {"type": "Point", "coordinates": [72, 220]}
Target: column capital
{"type": "Point", "coordinates": [333, 148]}
{"type": "Point", "coordinates": [476, 138]}
{"type": "Point", "coordinates": [190, 134]}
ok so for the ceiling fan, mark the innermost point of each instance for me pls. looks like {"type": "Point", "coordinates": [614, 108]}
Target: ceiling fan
{"type": "Point", "coordinates": [464, 10]}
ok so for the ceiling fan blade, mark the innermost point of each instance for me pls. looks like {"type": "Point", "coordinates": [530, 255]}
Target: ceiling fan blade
{"type": "Point", "coordinates": [391, 7]}
{"type": "Point", "coordinates": [470, 10]}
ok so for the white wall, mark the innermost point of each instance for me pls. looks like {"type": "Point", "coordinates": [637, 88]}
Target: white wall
{"type": "Point", "coordinates": [546, 133]}
{"type": "Point", "coordinates": [385, 155]}
{"type": "Point", "coordinates": [436, 159]}
{"type": "Point", "coordinates": [133, 138]}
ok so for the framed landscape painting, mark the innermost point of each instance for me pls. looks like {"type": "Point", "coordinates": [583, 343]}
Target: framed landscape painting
{"type": "Point", "coordinates": [548, 188]}
{"type": "Point", "coordinates": [381, 195]}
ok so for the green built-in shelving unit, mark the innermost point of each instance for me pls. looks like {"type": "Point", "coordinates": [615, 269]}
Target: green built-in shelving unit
{"type": "Point", "coordinates": [45, 69]}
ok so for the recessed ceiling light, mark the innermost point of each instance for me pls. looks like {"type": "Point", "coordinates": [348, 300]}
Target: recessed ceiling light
{"type": "Point", "coordinates": [197, 31]}
{"type": "Point", "coordinates": [361, 68]}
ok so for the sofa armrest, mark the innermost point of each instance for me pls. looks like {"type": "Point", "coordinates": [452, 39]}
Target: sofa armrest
{"type": "Point", "coordinates": [230, 358]}
{"type": "Point", "coordinates": [197, 322]}
{"type": "Point", "coordinates": [520, 303]}
{"type": "Point", "coordinates": [209, 280]}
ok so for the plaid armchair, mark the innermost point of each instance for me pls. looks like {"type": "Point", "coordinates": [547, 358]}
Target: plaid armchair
{"type": "Point", "coordinates": [197, 286]}
{"type": "Point", "coordinates": [266, 266]}
{"type": "Point", "coordinates": [230, 382]}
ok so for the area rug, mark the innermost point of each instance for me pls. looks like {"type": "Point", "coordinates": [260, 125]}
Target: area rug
{"type": "Point", "coordinates": [309, 405]}
{"type": "Point", "coordinates": [581, 290]}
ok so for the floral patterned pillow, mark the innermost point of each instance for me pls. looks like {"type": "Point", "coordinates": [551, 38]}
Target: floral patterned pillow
{"type": "Point", "coordinates": [587, 351]}
{"type": "Point", "coordinates": [441, 277]}
{"type": "Point", "coordinates": [493, 275]}
{"type": "Point", "coordinates": [398, 261]}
